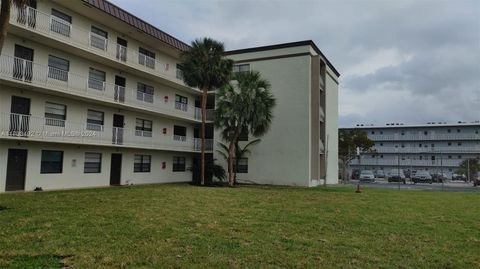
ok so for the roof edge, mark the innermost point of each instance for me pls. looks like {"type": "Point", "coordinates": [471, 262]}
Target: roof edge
{"type": "Point", "coordinates": [285, 45]}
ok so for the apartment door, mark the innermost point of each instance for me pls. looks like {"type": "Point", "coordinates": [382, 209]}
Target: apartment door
{"type": "Point", "coordinates": [118, 123]}
{"type": "Point", "coordinates": [119, 94]}
{"type": "Point", "coordinates": [116, 169]}
{"type": "Point", "coordinates": [20, 116]}
{"type": "Point", "coordinates": [23, 63]}
{"type": "Point", "coordinates": [27, 14]}
{"type": "Point", "coordinates": [121, 49]}
{"type": "Point", "coordinates": [16, 169]}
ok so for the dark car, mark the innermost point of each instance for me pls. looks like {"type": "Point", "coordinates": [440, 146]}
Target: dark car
{"type": "Point", "coordinates": [396, 175]}
{"type": "Point", "coordinates": [476, 180]}
{"type": "Point", "coordinates": [422, 177]}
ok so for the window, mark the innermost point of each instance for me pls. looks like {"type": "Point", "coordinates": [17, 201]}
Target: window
{"type": "Point", "coordinates": [55, 114]}
{"type": "Point", "coordinates": [179, 73]}
{"type": "Point", "coordinates": [94, 120]}
{"type": "Point", "coordinates": [58, 68]}
{"type": "Point", "coordinates": [449, 143]}
{"type": "Point", "coordinates": [242, 165]}
{"type": "Point", "coordinates": [145, 92]}
{"type": "Point", "coordinates": [403, 145]}
{"type": "Point", "coordinates": [96, 79]}
{"type": "Point", "coordinates": [373, 132]}
{"type": "Point", "coordinates": [381, 144]}
{"type": "Point", "coordinates": [403, 133]}
{"type": "Point", "coordinates": [459, 143]}
{"type": "Point", "coordinates": [459, 156]}
{"type": "Point", "coordinates": [52, 162]}
{"type": "Point", "coordinates": [179, 133]}
{"type": "Point", "coordinates": [243, 135]}
{"type": "Point", "coordinates": [458, 131]}
{"type": "Point", "coordinates": [146, 58]}
{"type": "Point", "coordinates": [425, 133]}
{"type": "Point", "coordinates": [449, 156]}
{"type": "Point", "coordinates": [93, 163]}
{"type": "Point", "coordinates": [433, 158]}
{"type": "Point", "coordinates": [381, 156]}
{"type": "Point", "coordinates": [241, 68]}
{"type": "Point", "coordinates": [381, 132]}
{"type": "Point", "coordinates": [60, 23]}
{"type": "Point", "coordinates": [420, 157]}
{"type": "Point", "coordinates": [449, 131]}
{"type": "Point", "coordinates": [181, 102]}
{"type": "Point", "coordinates": [142, 163]}
{"type": "Point", "coordinates": [432, 145]}
{"type": "Point", "coordinates": [143, 128]}
{"type": "Point", "coordinates": [98, 38]}
{"type": "Point", "coordinates": [419, 145]}
{"type": "Point", "coordinates": [178, 164]}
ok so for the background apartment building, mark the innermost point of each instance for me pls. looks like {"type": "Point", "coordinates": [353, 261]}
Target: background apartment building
{"type": "Point", "coordinates": [92, 96]}
{"type": "Point", "coordinates": [435, 147]}
{"type": "Point", "coordinates": [301, 147]}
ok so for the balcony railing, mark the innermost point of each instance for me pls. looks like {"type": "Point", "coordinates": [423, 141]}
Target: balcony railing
{"type": "Point", "coordinates": [60, 30]}
{"type": "Point", "coordinates": [20, 126]}
{"type": "Point", "coordinates": [20, 70]}
{"type": "Point", "coordinates": [407, 162]}
{"type": "Point", "coordinates": [436, 150]}
{"type": "Point", "coordinates": [181, 106]}
{"type": "Point", "coordinates": [420, 137]}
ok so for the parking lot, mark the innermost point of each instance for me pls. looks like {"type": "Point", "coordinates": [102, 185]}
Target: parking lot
{"type": "Point", "coordinates": [447, 186]}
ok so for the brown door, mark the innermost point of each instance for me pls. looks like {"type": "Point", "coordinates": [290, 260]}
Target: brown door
{"type": "Point", "coordinates": [118, 123]}
{"type": "Point", "coordinates": [20, 116]}
{"type": "Point", "coordinates": [16, 169]}
{"type": "Point", "coordinates": [116, 169]}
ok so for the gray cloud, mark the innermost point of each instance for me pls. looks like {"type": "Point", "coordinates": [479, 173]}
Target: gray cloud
{"type": "Point", "coordinates": [410, 61]}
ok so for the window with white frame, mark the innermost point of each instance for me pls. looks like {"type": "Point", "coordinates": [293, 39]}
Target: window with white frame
{"type": "Point", "coordinates": [142, 163]}
{"type": "Point", "coordinates": [179, 133]}
{"type": "Point", "coordinates": [181, 102]}
{"type": "Point", "coordinates": [58, 68]}
{"type": "Point", "coordinates": [178, 164]}
{"type": "Point", "coordinates": [96, 79]}
{"type": "Point", "coordinates": [93, 163]}
{"type": "Point", "coordinates": [95, 120]}
{"type": "Point", "coordinates": [238, 68]}
{"type": "Point", "coordinates": [55, 114]}
{"type": "Point", "coordinates": [145, 92]}
{"type": "Point", "coordinates": [242, 165]}
{"type": "Point", "coordinates": [143, 128]}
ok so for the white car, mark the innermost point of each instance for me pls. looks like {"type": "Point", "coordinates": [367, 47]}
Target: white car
{"type": "Point", "coordinates": [367, 175]}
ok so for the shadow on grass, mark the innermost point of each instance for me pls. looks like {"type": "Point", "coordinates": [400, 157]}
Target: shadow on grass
{"type": "Point", "coordinates": [35, 261]}
{"type": "Point", "coordinates": [3, 207]}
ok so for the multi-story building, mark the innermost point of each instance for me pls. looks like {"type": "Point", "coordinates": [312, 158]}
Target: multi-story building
{"type": "Point", "coordinates": [435, 147]}
{"type": "Point", "coordinates": [301, 147]}
{"type": "Point", "coordinates": [91, 95]}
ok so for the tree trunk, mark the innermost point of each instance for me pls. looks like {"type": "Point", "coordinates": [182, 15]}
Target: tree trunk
{"type": "Point", "coordinates": [202, 134]}
{"type": "Point", "coordinates": [4, 21]}
{"type": "Point", "coordinates": [231, 151]}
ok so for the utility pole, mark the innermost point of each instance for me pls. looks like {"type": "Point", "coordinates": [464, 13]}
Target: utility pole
{"type": "Point", "coordinates": [398, 166]}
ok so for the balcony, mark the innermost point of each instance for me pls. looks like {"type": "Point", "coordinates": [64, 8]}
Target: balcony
{"type": "Point", "coordinates": [422, 137]}
{"type": "Point", "coordinates": [407, 162]}
{"type": "Point", "coordinates": [54, 28]}
{"type": "Point", "coordinates": [429, 150]}
{"type": "Point", "coordinates": [26, 127]}
{"type": "Point", "coordinates": [34, 74]}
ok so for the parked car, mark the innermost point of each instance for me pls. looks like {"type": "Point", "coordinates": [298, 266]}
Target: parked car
{"type": "Point", "coordinates": [355, 174]}
{"type": "Point", "coordinates": [459, 177]}
{"type": "Point", "coordinates": [422, 177]}
{"type": "Point", "coordinates": [396, 175]}
{"type": "Point", "coordinates": [367, 175]}
{"type": "Point", "coordinates": [476, 180]}
{"type": "Point", "coordinates": [379, 174]}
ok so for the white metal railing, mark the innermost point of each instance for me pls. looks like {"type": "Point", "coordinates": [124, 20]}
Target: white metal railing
{"type": "Point", "coordinates": [63, 31]}
{"type": "Point", "coordinates": [419, 137]}
{"type": "Point", "coordinates": [53, 130]}
{"type": "Point", "coordinates": [180, 138]}
{"type": "Point", "coordinates": [181, 106]}
{"type": "Point", "coordinates": [98, 41]}
{"type": "Point", "coordinates": [143, 133]}
{"type": "Point", "coordinates": [17, 69]}
{"type": "Point", "coordinates": [121, 53]}
{"type": "Point", "coordinates": [407, 162]}
{"type": "Point", "coordinates": [436, 150]}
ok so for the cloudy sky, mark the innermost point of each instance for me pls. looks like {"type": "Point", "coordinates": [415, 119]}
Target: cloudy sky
{"type": "Point", "coordinates": [410, 61]}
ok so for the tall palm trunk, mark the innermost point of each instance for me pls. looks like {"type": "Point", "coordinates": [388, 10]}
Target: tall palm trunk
{"type": "Point", "coordinates": [202, 134]}
{"type": "Point", "coordinates": [4, 21]}
{"type": "Point", "coordinates": [231, 154]}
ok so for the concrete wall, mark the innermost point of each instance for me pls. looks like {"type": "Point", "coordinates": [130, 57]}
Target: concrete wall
{"type": "Point", "coordinates": [73, 175]}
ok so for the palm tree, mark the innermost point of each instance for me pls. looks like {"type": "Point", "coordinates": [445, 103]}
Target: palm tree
{"type": "Point", "coordinates": [240, 152]}
{"type": "Point", "coordinates": [244, 104]}
{"type": "Point", "coordinates": [5, 17]}
{"type": "Point", "coordinates": [205, 67]}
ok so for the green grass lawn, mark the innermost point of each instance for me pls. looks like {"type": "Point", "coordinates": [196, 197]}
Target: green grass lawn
{"type": "Point", "coordinates": [186, 226]}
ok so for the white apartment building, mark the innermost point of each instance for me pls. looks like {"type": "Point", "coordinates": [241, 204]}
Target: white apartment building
{"type": "Point", "coordinates": [435, 147]}
{"type": "Point", "coordinates": [91, 95]}
{"type": "Point", "coordinates": [301, 147]}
